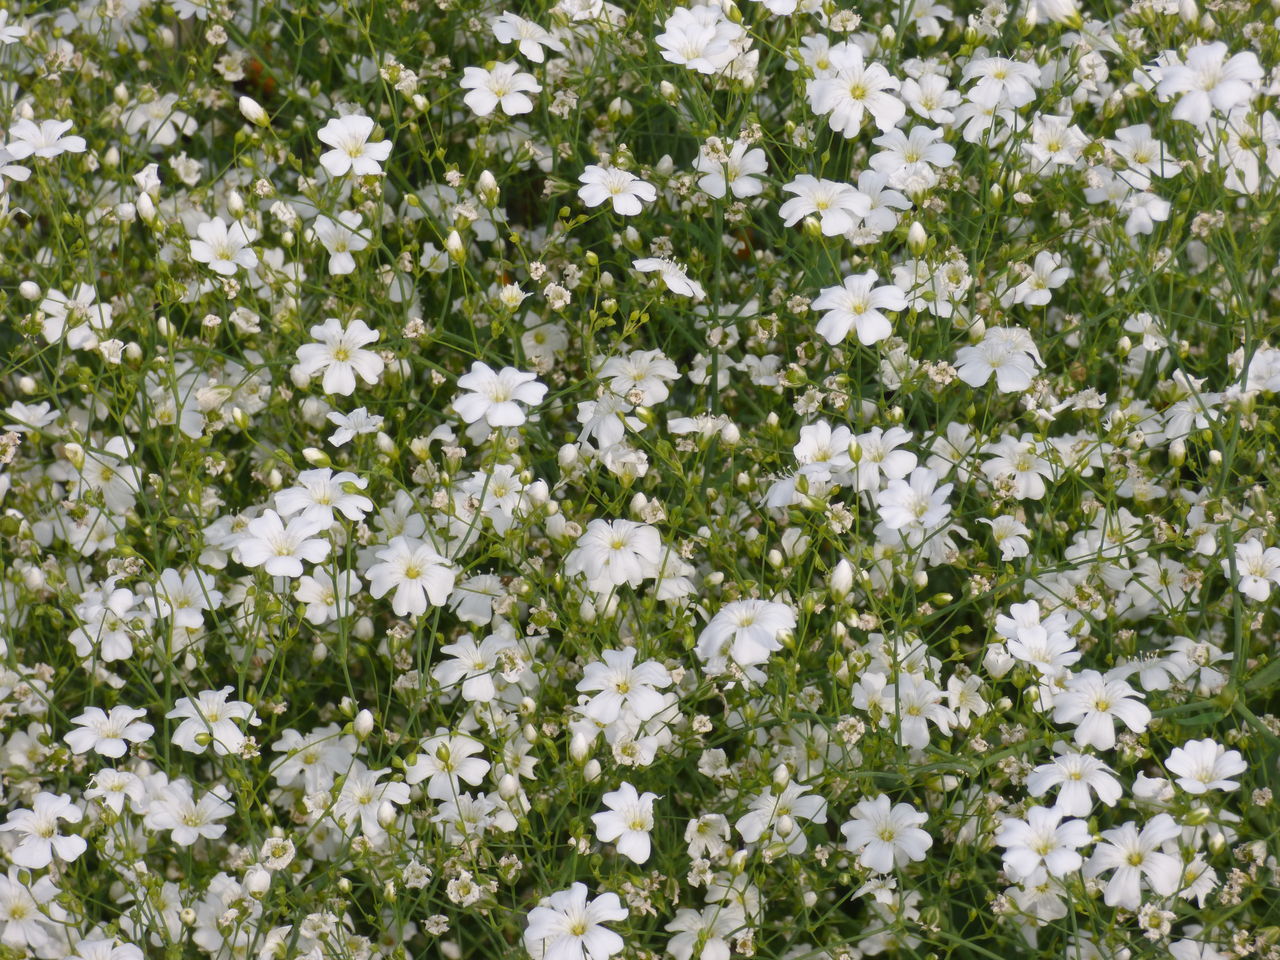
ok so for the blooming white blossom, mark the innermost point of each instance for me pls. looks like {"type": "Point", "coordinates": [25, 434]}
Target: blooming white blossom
{"type": "Point", "coordinates": [626, 822]}
{"type": "Point", "coordinates": [885, 834]}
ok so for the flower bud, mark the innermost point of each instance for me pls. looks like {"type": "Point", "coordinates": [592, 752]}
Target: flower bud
{"type": "Point", "coordinates": [257, 882]}
{"type": "Point", "coordinates": [840, 579]}
{"type": "Point", "coordinates": [730, 435]}
{"type": "Point", "coordinates": [29, 290]}
{"type": "Point", "coordinates": [591, 772]}
{"type": "Point", "coordinates": [252, 111]}
{"type": "Point", "coordinates": [579, 748]}
{"type": "Point", "coordinates": [508, 786]}
{"type": "Point", "coordinates": [781, 776]}
{"type": "Point", "coordinates": [386, 814]}
{"type": "Point", "coordinates": [786, 825]}
{"type": "Point", "coordinates": [487, 188]}
{"type": "Point", "coordinates": [917, 239]}
{"type": "Point", "coordinates": [454, 246]}
{"type": "Point", "coordinates": [363, 724]}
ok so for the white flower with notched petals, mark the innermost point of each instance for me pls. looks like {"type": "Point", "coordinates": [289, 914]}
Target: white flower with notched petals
{"type": "Point", "coordinates": [416, 572]}
{"type": "Point", "coordinates": [530, 37]}
{"type": "Point", "coordinates": [109, 734]}
{"type": "Point", "coordinates": [342, 238]}
{"type": "Point", "coordinates": [858, 305]}
{"type": "Point", "coordinates": [497, 396]}
{"type": "Point", "coordinates": [1134, 856]}
{"type": "Point", "coordinates": [280, 549]}
{"type": "Point", "coordinates": [1204, 765]}
{"type": "Point", "coordinates": [224, 248]}
{"type": "Point", "coordinates": [884, 834]}
{"type": "Point", "coordinates": [627, 822]}
{"type": "Point", "coordinates": [37, 831]}
{"type": "Point", "coordinates": [339, 352]}
{"type": "Point", "coordinates": [627, 192]}
{"type": "Point", "coordinates": [504, 85]}
{"type": "Point", "coordinates": [1257, 568]}
{"type": "Point", "coordinates": [210, 719]}
{"type": "Point", "coordinates": [351, 152]}
{"type": "Point", "coordinates": [568, 926]}
{"type": "Point", "coordinates": [1094, 703]}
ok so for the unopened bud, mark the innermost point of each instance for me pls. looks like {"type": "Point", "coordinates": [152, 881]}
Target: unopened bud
{"type": "Point", "coordinates": [840, 579]}
{"type": "Point", "coordinates": [257, 882]}
{"type": "Point", "coordinates": [363, 724]}
{"type": "Point", "coordinates": [386, 814]}
{"type": "Point", "coordinates": [917, 239]}
{"type": "Point", "coordinates": [252, 111]}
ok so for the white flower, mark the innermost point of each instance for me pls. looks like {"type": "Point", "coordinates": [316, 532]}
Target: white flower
{"type": "Point", "coordinates": [1042, 839]}
{"type": "Point", "coordinates": [914, 504]}
{"type": "Point", "coordinates": [745, 632]}
{"type": "Point", "coordinates": [645, 370]}
{"type": "Point", "coordinates": [1094, 703]}
{"type": "Point", "coordinates": [531, 37]}
{"type": "Point", "coordinates": [109, 734]}
{"type": "Point", "coordinates": [623, 684]}
{"type": "Point", "coordinates": [340, 353]}
{"type": "Point", "coordinates": [280, 550]}
{"type": "Point", "coordinates": [224, 248]}
{"type": "Point", "coordinates": [351, 150]}
{"type": "Point", "coordinates": [472, 665]}
{"type": "Point", "coordinates": [838, 205]}
{"type": "Point", "coordinates": [1075, 775]}
{"type": "Point", "coordinates": [1044, 644]}
{"type": "Point", "coordinates": [31, 920]}
{"type": "Point", "coordinates": [44, 139]}
{"type": "Point", "coordinates": [857, 306]}
{"type": "Point", "coordinates": [776, 815]}
{"type": "Point", "coordinates": [623, 188]}
{"type": "Point", "coordinates": [363, 798]}
{"type": "Point", "coordinates": [37, 831]}
{"type": "Point", "coordinates": [707, 931]}
{"type": "Point", "coordinates": [885, 834]}
{"type": "Point", "coordinates": [341, 238]}
{"type": "Point", "coordinates": [210, 719]}
{"type": "Point", "coordinates": [1257, 568]}
{"type": "Point", "coordinates": [350, 425]}
{"type": "Point", "coordinates": [673, 276]}
{"type": "Point", "coordinates": [615, 552]}
{"type": "Point", "coordinates": [416, 571]}
{"type": "Point", "coordinates": [504, 85]}
{"type": "Point", "coordinates": [184, 597]}
{"type": "Point", "coordinates": [700, 38]}
{"type": "Point", "coordinates": [855, 89]}
{"type": "Point", "coordinates": [444, 760]}
{"type": "Point", "coordinates": [1208, 81]}
{"type": "Point", "coordinates": [1133, 856]}
{"type": "Point", "coordinates": [1010, 535]}
{"type": "Point", "coordinates": [495, 397]}
{"type": "Point", "coordinates": [736, 172]}
{"type": "Point", "coordinates": [187, 819]}
{"type": "Point", "coordinates": [1002, 82]}
{"type": "Point", "coordinates": [318, 493]}
{"type": "Point", "coordinates": [1204, 765]}
{"type": "Point", "coordinates": [627, 822]}
{"type": "Point", "coordinates": [1008, 352]}
{"type": "Point", "coordinates": [566, 926]}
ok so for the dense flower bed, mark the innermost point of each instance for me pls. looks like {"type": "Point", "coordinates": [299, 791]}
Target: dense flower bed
{"type": "Point", "coordinates": [777, 479]}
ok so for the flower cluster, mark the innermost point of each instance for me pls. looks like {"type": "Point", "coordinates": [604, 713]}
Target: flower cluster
{"type": "Point", "coordinates": [582, 480]}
